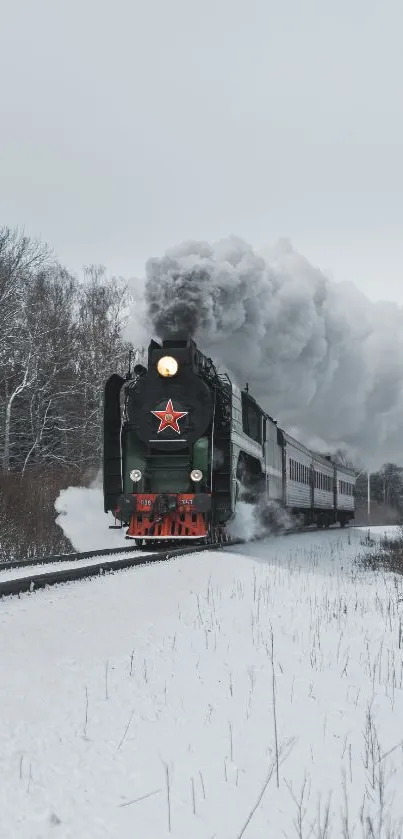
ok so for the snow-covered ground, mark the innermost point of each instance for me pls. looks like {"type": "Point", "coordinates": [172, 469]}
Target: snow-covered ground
{"type": "Point", "coordinates": [141, 704]}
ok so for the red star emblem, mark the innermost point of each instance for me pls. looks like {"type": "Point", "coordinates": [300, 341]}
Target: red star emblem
{"type": "Point", "coordinates": [169, 418]}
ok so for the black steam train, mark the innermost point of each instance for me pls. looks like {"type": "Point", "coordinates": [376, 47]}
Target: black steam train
{"type": "Point", "coordinates": [181, 442]}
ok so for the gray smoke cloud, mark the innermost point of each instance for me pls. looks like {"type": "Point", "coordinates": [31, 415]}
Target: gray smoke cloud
{"type": "Point", "coordinates": [318, 355]}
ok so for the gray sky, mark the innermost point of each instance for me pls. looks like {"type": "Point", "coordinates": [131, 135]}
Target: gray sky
{"type": "Point", "coordinates": [129, 126]}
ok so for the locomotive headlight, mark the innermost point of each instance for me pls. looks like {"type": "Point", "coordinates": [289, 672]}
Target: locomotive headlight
{"type": "Point", "coordinates": [167, 366]}
{"type": "Point", "coordinates": [136, 475]}
{"type": "Point", "coordinates": [196, 475]}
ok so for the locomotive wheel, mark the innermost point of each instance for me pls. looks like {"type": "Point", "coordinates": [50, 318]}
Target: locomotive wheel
{"type": "Point", "coordinates": [218, 535]}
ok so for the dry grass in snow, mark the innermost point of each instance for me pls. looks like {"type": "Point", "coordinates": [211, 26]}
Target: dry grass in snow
{"type": "Point", "coordinates": [255, 693]}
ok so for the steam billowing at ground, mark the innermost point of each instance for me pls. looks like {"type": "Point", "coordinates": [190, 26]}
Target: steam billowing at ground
{"type": "Point", "coordinates": [318, 355]}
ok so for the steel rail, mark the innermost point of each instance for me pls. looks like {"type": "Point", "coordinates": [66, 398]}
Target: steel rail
{"type": "Point", "coordinates": [66, 575]}
{"type": "Point", "coordinates": [77, 556]}
{"type": "Point", "coordinates": [37, 581]}
{"type": "Point", "coordinates": [46, 560]}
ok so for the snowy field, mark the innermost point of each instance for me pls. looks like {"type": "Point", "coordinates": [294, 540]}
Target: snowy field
{"type": "Point", "coordinates": [253, 693]}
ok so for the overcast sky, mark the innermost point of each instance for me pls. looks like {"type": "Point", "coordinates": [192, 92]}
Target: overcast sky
{"type": "Point", "coordinates": [127, 126]}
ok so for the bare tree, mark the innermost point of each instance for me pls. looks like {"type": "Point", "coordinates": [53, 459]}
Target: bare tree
{"type": "Point", "coordinates": [20, 258]}
{"type": "Point", "coordinates": [59, 341]}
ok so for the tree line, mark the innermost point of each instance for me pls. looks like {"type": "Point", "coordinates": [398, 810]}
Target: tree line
{"type": "Point", "coordinates": [60, 338]}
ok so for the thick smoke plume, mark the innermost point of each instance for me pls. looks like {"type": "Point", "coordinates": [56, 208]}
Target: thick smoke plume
{"type": "Point", "coordinates": [318, 355]}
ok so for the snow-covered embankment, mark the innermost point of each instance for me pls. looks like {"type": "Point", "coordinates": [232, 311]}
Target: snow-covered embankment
{"type": "Point", "coordinates": [111, 688]}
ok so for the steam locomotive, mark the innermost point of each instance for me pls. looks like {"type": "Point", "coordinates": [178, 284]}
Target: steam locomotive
{"type": "Point", "coordinates": [182, 444]}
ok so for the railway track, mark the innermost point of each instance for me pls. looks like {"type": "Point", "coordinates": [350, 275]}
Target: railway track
{"type": "Point", "coordinates": [35, 580]}
{"type": "Point", "coordinates": [72, 557]}
{"type": "Point", "coordinates": [74, 569]}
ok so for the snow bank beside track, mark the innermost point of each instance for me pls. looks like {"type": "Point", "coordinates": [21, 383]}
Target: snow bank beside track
{"type": "Point", "coordinates": [109, 685]}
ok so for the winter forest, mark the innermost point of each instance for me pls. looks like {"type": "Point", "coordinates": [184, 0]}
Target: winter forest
{"type": "Point", "coordinates": [60, 338]}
